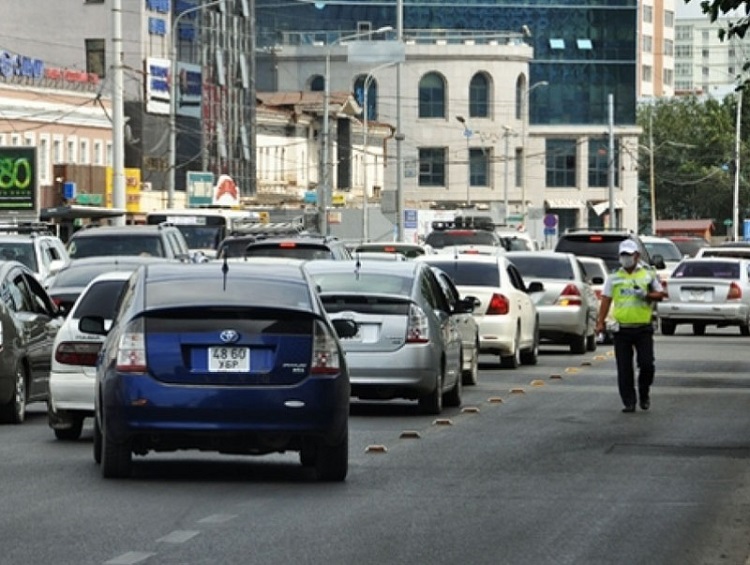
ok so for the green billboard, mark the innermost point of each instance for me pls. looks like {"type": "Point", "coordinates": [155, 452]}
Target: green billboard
{"type": "Point", "coordinates": [17, 178]}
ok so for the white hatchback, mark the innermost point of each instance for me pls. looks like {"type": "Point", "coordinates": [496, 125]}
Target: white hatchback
{"type": "Point", "coordinates": [507, 317]}
{"type": "Point", "coordinates": [74, 355]}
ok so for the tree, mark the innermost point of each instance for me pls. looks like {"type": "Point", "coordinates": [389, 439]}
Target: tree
{"type": "Point", "coordinates": [717, 8]}
{"type": "Point", "coordinates": [693, 150]}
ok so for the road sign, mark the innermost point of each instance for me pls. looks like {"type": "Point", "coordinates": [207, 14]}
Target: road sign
{"type": "Point", "coordinates": [550, 220]}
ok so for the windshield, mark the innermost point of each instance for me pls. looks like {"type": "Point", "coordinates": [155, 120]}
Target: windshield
{"type": "Point", "coordinates": [541, 267]}
{"type": "Point", "coordinates": [18, 251]}
{"type": "Point", "coordinates": [708, 269]}
{"type": "Point", "coordinates": [439, 239]}
{"type": "Point", "coordinates": [668, 250]}
{"type": "Point", "coordinates": [202, 237]}
{"type": "Point", "coordinates": [470, 274]}
{"type": "Point", "coordinates": [690, 246]}
{"type": "Point", "coordinates": [119, 244]}
{"type": "Point", "coordinates": [377, 283]}
{"type": "Point", "coordinates": [289, 250]}
{"type": "Point", "coordinates": [76, 276]}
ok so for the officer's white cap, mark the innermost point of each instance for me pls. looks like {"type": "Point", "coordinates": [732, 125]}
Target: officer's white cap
{"type": "Point", "coordinates": [628, 246]}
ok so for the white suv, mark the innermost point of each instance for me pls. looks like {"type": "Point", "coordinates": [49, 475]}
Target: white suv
{"type": "Point", "coordinates": [34, 245]}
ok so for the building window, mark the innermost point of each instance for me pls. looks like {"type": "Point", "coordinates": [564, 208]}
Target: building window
{"type": "Point", "coordinates": [520, 93]}
{"type": "Point", "coordinates": [683, 32]}
{"type": "Point", "coordinates": [43, 157]}
{"type": "Point", "coordinates": [372, 95]}
{"type": "Point", "coordinates": [599, 162]}
{"type": "Point", "coordinates": [647, 44]}
{"type": "Point", "coordinates": [730, 70]}
{"type": "Point", "coordinates": [479, 166]}
{"type": "Point", "coordinates": [561, 162]}
{"type": "Point", "coordinates": [668, 47]}
{"type": "Point", "coordinates": [96, 59]}
{"type": "Point", "coordinates": [479, 96]}
{"type": "Point", "coordinates": [83, 152]}
{"type": "Point", "coordinates": [706, 72]}
{"type": "Point", "coordinates": [432, 96]}
{"type": "Point", "coordinates": [57, 151]}
{"type": "Point", "coordinates": [646, 73]}
{"type": "Point", "coordinates": [684, 51]}
{"type": "Point", "coordinates": [98, 153]}
{"type": "Point", "coordinates": [317, 83]}
{"type": "Point", "coordinates": [557, 44]}
{"type": "Point", "coordinates": [668, 18]}
{"type": "Point", "coordinates": [705, 53]}
{"type": "Point", "coordinates": [519, 167]}
{"type": "Point", "coordinates": [705, 36]}
{"type": "Point", "coordinates": [668, 77]}
{"type": "Point", "coordinates": [648, 14]}
{"type": "Point", "coordinates": [432, 166]}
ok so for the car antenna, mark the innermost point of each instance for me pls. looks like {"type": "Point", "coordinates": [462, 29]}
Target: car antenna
{"type": "Point", "coordinates": [225, 268]}
{"type": "Point", "coordinates": [357, 266]}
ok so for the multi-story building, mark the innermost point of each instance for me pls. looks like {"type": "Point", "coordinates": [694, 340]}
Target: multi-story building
{"type": "Point", "coordinates": [656, 29]}
{"type": "Point", "coordinates": [551, 106]}
{"type": "Point", "coordinates": [704, 63]}
{"type": "Point", "coordinates": [215, 102]}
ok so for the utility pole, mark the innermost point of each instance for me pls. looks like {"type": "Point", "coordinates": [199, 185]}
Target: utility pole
{"type": "Point", "coordinates": [118, 115]}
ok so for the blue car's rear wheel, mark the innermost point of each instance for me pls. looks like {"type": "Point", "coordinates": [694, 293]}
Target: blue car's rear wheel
{"type": "Point", "coordinates": [332, 460]}
{"type": "Point", "coordinates": [117, 458]}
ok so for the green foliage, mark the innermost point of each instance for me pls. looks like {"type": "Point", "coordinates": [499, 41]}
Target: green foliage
{"type": "Point", "coordinates": [717, 8]}
{"type": "Point", "coordinates": [693, 149]}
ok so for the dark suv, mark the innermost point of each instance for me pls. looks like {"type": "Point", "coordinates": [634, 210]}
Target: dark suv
{"type": "Point", "coordinates": [163, 240]}
{"type": "Point", "coordinates": [299, 247]}
{"type": "Point", "coordinates": [604, 244]}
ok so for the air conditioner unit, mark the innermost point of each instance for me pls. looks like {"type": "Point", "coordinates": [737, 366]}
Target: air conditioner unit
{"type": "Point", "coordinates": [364, 27]}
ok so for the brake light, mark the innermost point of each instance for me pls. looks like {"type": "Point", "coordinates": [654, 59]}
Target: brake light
{"type": "Point", "coordinates": [78, 353]}
{"type": "Point", "coordinates": [735, 292]}
{"type": "Point", "coordinates": [417, 330]}
{"type": "Point", "coordinates": [131, 352]}
{"type": "Point", "coordinates": [498, 306]}
{"type": "Point", "coordinates": [287, 244]}
{"type": "Point", "coordinates": [596, 238]}
{"type": "Point", "coordinates": [389, 249]}
{"type": "Point", "coordinates": [570, 296]}
{"type": "Point", "coordinates": [325, 355]}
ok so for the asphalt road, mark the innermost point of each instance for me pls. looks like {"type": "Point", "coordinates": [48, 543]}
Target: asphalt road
{"type": "Point", "coordinates": [538, 467]}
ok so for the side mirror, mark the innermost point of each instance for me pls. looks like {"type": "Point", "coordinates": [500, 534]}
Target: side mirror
{"type": "Point", "coordinates": [345, 328]}
{"type": "Point", "coordinates": [93, 325]}
{"type": "Point", "coordinates": [55, 266]}
{"type": "Point", "coordinates": [466, 305]}
{"type": "Point", "coordinates": [535, 286]}
{"type": "Point", "coordinates": [658, 261]}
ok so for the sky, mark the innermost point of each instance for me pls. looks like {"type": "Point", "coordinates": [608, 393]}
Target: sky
{"type": "Point", "coordinates": [690, 9]}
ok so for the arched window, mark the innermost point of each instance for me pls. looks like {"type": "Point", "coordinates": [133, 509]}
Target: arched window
{"type": "Point", "coordinates": [372, 96]}
{"type": "Point", "coordinates": [479, 96]}
{"type": "Point", "coordinates": [520, 93]}
{"type": "Point", "coordinates": [432, 96]}
{"type": "Point", "coordinates": [317, 83]}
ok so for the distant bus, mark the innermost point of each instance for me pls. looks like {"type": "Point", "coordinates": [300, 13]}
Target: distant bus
{"type": "Point", "coordinates": [203, 228]}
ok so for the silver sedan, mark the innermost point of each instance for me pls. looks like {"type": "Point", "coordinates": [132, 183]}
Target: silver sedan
{"type": "Point", "coordinates": [707, 291]}
{"type": "Point", "coordinates": [568, 305]}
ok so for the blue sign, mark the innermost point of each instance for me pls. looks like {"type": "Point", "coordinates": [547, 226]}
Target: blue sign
{"type": "Point", "coordinates": [410, 219]}
{"type": "Point", "coordinates": [550, 220]}
{"type": "Point", "coordinates": [746, 230]}
{"type": "Point", "coordinates": [311, 197]}
{"type": "Point", "coordinates": [550, 231]}
{"type": "Point", "coordinates": [69, 190]}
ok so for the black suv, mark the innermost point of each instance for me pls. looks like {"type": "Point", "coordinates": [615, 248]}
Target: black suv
{"type": "Point", "coordinates": [163, 240]}
{"type": "Point", "coordinates": [604, 244]}
{"type": "Point", "coordinates": [470, 231]}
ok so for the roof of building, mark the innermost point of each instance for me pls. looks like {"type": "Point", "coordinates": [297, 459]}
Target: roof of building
{"type": "Point", "coordinates": [685, 225]}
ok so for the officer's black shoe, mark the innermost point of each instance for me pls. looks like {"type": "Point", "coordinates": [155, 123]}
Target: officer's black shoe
{"type": "Point", "coordinates": [645, 403]}
{"type": "Point", "coordinates": [629, 408]}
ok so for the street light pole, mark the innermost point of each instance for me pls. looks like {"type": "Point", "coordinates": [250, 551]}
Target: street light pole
{"type": "Point", "coordinates": [506, 132]}
{"type": "Point", "coordinates": [324, 188]}
{"type": "Point", "coordinates": [467, 134]}
{"type": "Point", "coordinates": [524, 144]}
{"type": "Point", "coordinates": [651, 175]}
{"type": "Point", "coordinates": [173, 99]}
{"type": "Point", "coordinates": [736, 197]}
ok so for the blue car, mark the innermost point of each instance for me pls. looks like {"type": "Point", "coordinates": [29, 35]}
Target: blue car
{"type": "Point", "coordinates": [236, 358]}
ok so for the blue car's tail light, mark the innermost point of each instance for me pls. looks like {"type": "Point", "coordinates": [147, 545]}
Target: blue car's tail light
{"type": "Point", "coordinates": [325, 358]}
{"type": "Point", "coordinates": [131, 352]}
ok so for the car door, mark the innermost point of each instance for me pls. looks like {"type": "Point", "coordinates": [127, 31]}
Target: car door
{"type": "Point", "coordinates": [465, 322]}
{"type": "Point", "coordinates": [36, 316]}
{"type": "Point", "coordinates": [434, 295]}
{"type": "Point", "coordinates": [524, 305]}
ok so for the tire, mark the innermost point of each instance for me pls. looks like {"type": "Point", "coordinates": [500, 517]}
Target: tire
{"type": "Point", "coordinates": [97, 442]}
{"type": "Point", "coordinates": [308, 455]}
{"type": "Point", "coordinates": [667, 327]}
{"type": "Point", "coordinates": [744, 329]}
{"type": "Point", "coordinates": [699, 329]}
{"type": "Point", "coordinates": [453, 396]}
{"type": "Point", "coordinates": [471, 375]}
{"type": "Point", "coordinates": [14, 411]}
{"type": "Point", "coordinates": [432, 402]}
{"type": "Point", "coordinates": [591, 342]}
{"type": "Point", "coordinates": [531, 356]}
{"type": "Point", "coordinates": [578, 344]}
{"type": "Point", "coordinates": [72, 433]}
{"type": "Point", "coordinates": [332, 461]}
{"type": "Point", "coordinates": [512, 361]}
{"type": "Point", "coordinates": [117, 458]}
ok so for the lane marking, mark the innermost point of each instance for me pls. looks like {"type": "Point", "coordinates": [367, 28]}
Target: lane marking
{"type": "Point", "coordinates": [130, 558]}
{"type": "Point", "coordinates": [179, 536]}
{"type": "Point", "coordinates": [217, 518]}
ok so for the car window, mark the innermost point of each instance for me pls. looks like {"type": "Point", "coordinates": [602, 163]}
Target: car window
{"type": "Point", "coordinates": [433, 292]}
{"type": "Point", "coordinates": [541, 267]}
{"type": "Point", "coordinates": [99, 300]}
{"type": "Point", "coordinates": [708, 269]}
{"type": "Point", "coordinates": [376, 283]}
{"type": "Point", "coordinates": [289, 250]}
{"type": "Point", "coordinates": [668, 250]}
{"type": "Point", "coordinates": [20, 294]}
{"type": "Point", "coordinates": [470, 274]}
{"type": "Point", "coordinates": [39, 298]}
{"type": "Point", "coordinates": [449, 289]}
{"type": "Point", "coordinates": [20, 251]}
{"type": "Point", "coordinates": [119, 244]}
{"type": "Point", "coordinates": [515, 277]}
{"type": "Point", "coordinates": [439, 239]}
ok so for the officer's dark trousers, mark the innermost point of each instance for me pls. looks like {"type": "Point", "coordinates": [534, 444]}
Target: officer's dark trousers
{"type": "Point", "coordinates": [638, 340]}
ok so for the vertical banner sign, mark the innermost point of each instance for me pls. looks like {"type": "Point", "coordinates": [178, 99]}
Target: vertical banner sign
{"type": "Point", "coordinates": [18, 178]}
{"type": "Point", "coordinates": [200, 189]}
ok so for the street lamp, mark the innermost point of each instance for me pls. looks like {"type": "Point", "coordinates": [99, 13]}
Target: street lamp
{"type": "Point", "coordinates": [507, 130]}
{"type": "Point", "coordinates": [365, 152]}
{"type": "Point", "coordinates": [736, 197]}
{"type": "Point", "coordinates": [173, 99]}
{"type": "Point", "coordinates": [325, 186]}
{"type": "Point", "coordinates": [524, 131]}
{"type": "Point", "coordinates": [467, 134]}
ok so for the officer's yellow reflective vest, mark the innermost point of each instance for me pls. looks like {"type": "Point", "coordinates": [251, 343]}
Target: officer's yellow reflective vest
{"type": "Point", "coordinates": [629, 305]}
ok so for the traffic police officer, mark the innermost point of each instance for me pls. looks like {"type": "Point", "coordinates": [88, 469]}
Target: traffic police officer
{"type": "Point", "coordinates": [630, 291]}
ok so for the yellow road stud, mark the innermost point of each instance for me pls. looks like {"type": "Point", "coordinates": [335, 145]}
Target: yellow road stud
{"type": "Point", "coordinates": [537, 382]}
{"type": "Point", "coordinates": [410, 434]}
{"type": "Point", "coordinates": [494, 400]}
{"type": "Point", "coordinates": [442, 422]}
{"type": "Point", "coordinates": [376, 449]}
{"type": "Point", "coordinates": [470, 410]}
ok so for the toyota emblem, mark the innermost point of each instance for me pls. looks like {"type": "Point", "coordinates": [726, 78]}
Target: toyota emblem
{"type": "Point", "coordinates": [229, 336]}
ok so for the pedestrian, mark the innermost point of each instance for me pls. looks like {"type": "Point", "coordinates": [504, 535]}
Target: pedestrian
{"type": "Point", "coordinates": [631, 291]}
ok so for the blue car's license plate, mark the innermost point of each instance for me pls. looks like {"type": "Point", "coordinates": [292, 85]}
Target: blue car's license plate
{"type": "Point", "coordinates": [228, 359]}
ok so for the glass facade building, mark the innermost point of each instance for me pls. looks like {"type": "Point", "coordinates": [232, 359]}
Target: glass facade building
{"type": "Point", "coordinates": [584, 49]}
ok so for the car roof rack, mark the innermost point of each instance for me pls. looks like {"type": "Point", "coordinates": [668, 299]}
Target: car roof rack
{"type": "Point", "coordinates": [465, 222]}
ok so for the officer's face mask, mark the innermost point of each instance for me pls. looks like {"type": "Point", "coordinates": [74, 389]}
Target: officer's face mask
{"type": "Point", "coordinates": [627, 261]}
